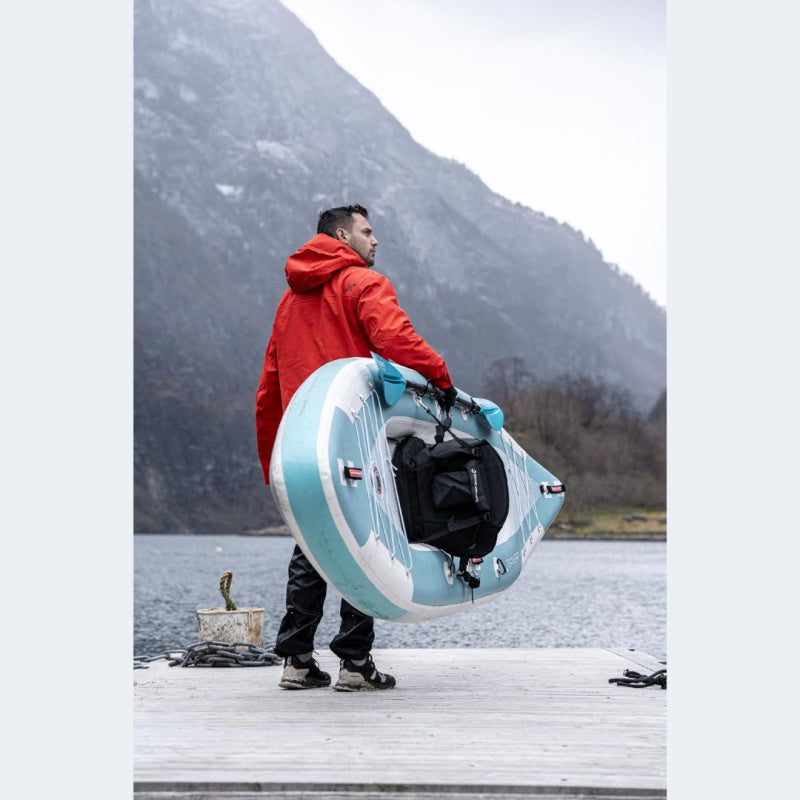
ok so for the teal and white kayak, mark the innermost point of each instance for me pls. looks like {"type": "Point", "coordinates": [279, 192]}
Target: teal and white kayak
{"type": "Point", "coordinates": [332, 478]}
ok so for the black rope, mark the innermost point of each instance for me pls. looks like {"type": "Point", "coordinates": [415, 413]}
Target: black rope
{"type": "Point", "coordinates": [442, 426]}
{"type": "Point", "coordinates": [639, 681]}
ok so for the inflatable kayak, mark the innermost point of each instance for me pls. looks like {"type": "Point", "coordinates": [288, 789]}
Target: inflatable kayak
{"type": "Point", "coordinates": [334, 481]}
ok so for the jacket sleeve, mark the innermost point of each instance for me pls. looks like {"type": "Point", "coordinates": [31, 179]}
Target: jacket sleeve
{"type": "Point", "coordinates": [391, 334]}
{"type": "Point", "coordinates": [269, 408]}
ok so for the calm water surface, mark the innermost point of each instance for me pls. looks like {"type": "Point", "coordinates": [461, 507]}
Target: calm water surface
{"type": "Point", "coordinates": [570, 594]}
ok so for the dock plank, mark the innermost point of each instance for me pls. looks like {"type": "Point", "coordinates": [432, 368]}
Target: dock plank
{"type": "Point", "coordinates": [500, 721]}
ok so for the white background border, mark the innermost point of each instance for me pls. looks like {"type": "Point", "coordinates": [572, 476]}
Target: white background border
{"type": "Point", "coordinates": [733, 432]}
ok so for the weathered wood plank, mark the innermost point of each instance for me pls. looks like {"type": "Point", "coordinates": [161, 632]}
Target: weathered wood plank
{"type": "Point", "coordinates": [302, 792]}
{"type": "Point", "coordinates": [498, 721]}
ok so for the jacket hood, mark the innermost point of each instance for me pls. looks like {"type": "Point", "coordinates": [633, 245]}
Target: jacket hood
{"type": "Point", "coordinates": [317, 260]}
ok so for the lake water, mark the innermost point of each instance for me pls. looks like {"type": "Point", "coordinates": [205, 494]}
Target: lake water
{"type": "Point", "coordinates": [570, 594]}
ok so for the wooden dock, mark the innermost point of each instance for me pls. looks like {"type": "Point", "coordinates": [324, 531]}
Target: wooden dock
{"type": "Point", "coordinates": [465, 723]}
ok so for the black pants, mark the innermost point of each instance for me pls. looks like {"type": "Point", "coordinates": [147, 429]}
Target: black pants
{"type": "Point", "coordinates": [305, 597]}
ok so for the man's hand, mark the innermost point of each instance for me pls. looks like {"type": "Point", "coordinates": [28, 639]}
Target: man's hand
{"type": "Point", "coordinates": [450, 394]}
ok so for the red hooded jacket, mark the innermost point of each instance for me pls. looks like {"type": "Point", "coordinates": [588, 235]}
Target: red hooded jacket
{"type": "Point", "coordinates": [335, 307]}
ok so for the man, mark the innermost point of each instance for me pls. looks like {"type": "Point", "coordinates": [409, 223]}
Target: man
{"type": "Point", "coordinates": [335, 307]}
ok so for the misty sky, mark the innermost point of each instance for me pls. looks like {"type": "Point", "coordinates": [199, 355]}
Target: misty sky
{"type": "Point", "coordinates": [557, 104]}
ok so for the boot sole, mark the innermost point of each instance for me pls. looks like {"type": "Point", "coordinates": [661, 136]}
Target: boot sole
{"type": "Point", "coordinates": [298, 685]}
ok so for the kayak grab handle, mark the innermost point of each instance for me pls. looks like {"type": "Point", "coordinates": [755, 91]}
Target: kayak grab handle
{"type": "Point", "coordinates": [393, 384]}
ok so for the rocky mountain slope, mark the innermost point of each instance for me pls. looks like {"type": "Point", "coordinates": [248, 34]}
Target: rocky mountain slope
{"type": "Point", "coordinates": [244, 130]}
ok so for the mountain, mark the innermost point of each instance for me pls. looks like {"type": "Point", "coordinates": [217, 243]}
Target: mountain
{"type": "Point", "coordinates": [244, 129]}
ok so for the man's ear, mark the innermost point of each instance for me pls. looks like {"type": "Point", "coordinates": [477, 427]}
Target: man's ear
{"type": "Point", "coordinates": [340, 235]}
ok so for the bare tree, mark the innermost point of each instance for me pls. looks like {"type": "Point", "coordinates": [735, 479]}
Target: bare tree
{"type": "Point", "coordinates": [589, 434]}
{"type": "Point", "coordinates": [506, 381]}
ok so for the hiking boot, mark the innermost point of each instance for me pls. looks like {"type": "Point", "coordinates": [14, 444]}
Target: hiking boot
{"type": "Point", "coordinates": [299, 674]}
{"type": "Point", "coordinates": [363, 678]}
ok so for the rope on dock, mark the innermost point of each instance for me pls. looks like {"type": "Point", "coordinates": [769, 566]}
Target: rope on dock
{"type": "Point", "coordinates": [639, 681]}
{"type": "Point", "coordinates": [225, 590]}
{"type": "Point", "coordinates": [214, 654]}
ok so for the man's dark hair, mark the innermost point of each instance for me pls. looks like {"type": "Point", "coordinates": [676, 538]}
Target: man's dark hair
{"type": "Point", "coordinates": [339, 217]}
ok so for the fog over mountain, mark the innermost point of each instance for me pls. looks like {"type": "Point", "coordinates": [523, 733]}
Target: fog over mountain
{"type": "Point", "coordinates": [244, 130]}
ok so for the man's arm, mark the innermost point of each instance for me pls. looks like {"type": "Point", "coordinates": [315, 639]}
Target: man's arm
{"type": "Point", "coordinates": [391, 334]}
{"type": "Point", "coordinates": [269, 407]}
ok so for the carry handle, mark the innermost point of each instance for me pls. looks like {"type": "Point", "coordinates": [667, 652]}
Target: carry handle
{"type": "Point", "coordinates": [393, 384]}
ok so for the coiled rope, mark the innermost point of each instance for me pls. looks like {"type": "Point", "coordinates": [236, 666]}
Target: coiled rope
{"type": "Point", "coordinates": [639, 681]}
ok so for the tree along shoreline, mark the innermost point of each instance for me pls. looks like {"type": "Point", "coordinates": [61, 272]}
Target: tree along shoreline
{"type": "Point", "coordinates": [609, 455]}
{"type": "Point", "coordinates": [631, 524]}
